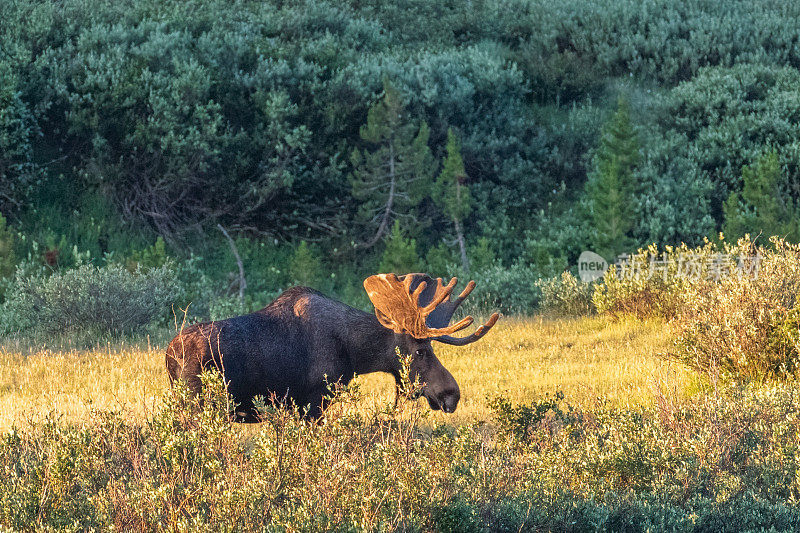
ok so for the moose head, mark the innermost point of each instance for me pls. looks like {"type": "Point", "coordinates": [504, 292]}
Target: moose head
{"type": "Point", "coordinates": [418, 310]}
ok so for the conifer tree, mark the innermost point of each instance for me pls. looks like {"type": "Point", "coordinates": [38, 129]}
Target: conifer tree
{"type": "Point", "coordinates": [611, 187]}
{"type": "Point", "coordinates": [760, 207]}
{"type": "Point", "coordinates": [400, 255]}
{"type": "Point", "coordinates": [306, 267]}
{"type": "Point", "coordinates": [451, 192]}
{"type": "Point", "coordinates": [393, 178]}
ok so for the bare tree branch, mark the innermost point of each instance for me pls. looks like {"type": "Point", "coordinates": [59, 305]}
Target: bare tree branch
{"type": "Point", "coordinates": [242, 281]}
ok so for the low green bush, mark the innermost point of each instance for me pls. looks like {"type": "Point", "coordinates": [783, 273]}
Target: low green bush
{"type": "Point", "coordinates": [153, 256]}
{"type": "Point", "coordinates": [226, 307]}
{"type": "Point", "coordinates": [510, 290]}
{"type": "Point", "coordinates": [566, 295]}
{"type": "Point", "coordinates": [744, 326]}
{"type": "Point", "coordinates": [109, 299]}
{"type": "Point", "coordinates": [719, 462]}
{"type": "Point", "coordinates": [519, 421]}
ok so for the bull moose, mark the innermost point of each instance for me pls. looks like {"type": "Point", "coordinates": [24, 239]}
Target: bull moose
{"type": "Point", "coordinates": [304, 340]}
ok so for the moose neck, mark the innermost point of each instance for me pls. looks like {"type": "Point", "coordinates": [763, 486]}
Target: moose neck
{"type": "Point", "coordinates": [370, 346]}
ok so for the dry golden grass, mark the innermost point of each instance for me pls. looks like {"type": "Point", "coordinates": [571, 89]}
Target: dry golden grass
{"type": "Point", "coordinates": [585, 358]}
{"type": "Point", "coordinates": [522, 359]}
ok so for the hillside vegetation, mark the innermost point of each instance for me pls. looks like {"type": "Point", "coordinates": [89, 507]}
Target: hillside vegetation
{"type": "Point", "coordinates": [125, 122]}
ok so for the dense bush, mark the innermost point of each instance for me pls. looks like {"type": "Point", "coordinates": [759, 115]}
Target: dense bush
{"type": "Point", "coordinates": [566, 295]}
{"type": "Point", "coordinates": [745, 326]}
{"type": "Point", "coordinates": [8, 259]}
{"type": "Point", "coordinates": [760, 208]}
{"type": "Point", "coordinates": [87, 298]}
{"type": "Point", "coordinates": [18, 129]}
{"type": "Point", "coordinates": [733, 307]}
{"type": "Point", "coordinates": [511, 290]}
{"type": "Point", "coordinates": [726, 446]}
{"type": "Point", "coordinates": [704, 132]}
{"type": "Point", "coordinates": [249, 116]}
{"type": "Point", "coordinates": [167, 118]}
{"type": "Point", "coordinates": [653, 282]}
{"type": "Point", "coordinates": [665, 40]}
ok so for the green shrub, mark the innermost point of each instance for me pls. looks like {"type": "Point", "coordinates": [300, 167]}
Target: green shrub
{"type": "Point", "coordinates": [481, 254]}
{"type": "Point", "coordinates": [226, 307]}
{"type": "Point", "coordinates": [18, 132]}
{"type": "Point", "coordinates": [306, 267]}
{"type": "Point", "coordinates": [441, 261]}
{"type": "Point", "coordinates": [400, 255]}
{"type": "Point", "coordinates": [511, 290]}
{"type": "Point", "coordinates": [154, 256]}
{"type": "Point", "coordinates": [87, 298]}
{"type": "Point", "coordinates": [652, 282]}
{"type": "Point", "coordinates": [519, 421]}
{"type": "Point", "coordinates": [8, 258]}
{"type": "Point", "coordinates": [659, 39]}
{"type": "Point", "coordinates": [745, 326]}
{"type": "Point", "coordinates": [456, 516]}
{"type": "Point", "coordinates": [704, 131]}
{"type": "Point", "coordinates": [566, 295]}
{"type": "Point", "coordinates": [759, 208]}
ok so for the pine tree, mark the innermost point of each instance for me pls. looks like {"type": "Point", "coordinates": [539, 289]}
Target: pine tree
{"type": "Point", "coordinates": [760, 207]}
{"type": "Point", "coordinates": [306, 267]}
{"type": "Point", "coordinates": [393, 178]}
{"type": "Point", "coordinates": [400, 255]}
{"type": "Point", "coordinates": [611, 186]}
{"type": "Point", "coordinates": [451, 192]}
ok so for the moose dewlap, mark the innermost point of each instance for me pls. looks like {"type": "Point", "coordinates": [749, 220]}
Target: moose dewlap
{"type": "Point", "coordinates": [287, 350]}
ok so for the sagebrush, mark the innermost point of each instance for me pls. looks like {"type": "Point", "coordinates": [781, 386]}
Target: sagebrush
{"type": "Point", "coordinates": [89, 299]}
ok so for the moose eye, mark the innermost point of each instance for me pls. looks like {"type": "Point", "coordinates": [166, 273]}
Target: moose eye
{"type": "Point", "coordinates": [420, 353]}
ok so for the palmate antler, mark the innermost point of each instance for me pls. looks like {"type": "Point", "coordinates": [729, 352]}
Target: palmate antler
{"type": "Point", "coordinates": [397, 307]}
{"type": "Point", "coordinates": [413, 304]}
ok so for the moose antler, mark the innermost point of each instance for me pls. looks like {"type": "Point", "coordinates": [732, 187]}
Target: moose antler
{"type": "Point", "coordinates": [414, 304]}
{"type": "Point", "coordinates": [480, 332]}
{"type": "Point", "coordinates": [397, 305]}
{"type": "Point", "coordinates": [445, 310]}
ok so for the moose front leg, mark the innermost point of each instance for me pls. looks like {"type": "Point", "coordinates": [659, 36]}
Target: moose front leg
{"type": "Point", "coordinates": [316, 402]}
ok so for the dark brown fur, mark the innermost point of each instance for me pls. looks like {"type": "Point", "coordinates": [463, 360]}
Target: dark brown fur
{"type": "Point", "coordinates": [289, 349]}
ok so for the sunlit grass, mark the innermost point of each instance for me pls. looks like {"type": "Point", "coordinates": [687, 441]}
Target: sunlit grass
{"type": "Point", "coordinates": [71, 383]}
{"type": "Point", "coordinates": [585, 358]}
{"type": "Point", "coordinates": [521, 359]}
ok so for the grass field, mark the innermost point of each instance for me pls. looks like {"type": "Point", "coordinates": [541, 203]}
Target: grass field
{"type": "Point", "coordinates": [522, 359]}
